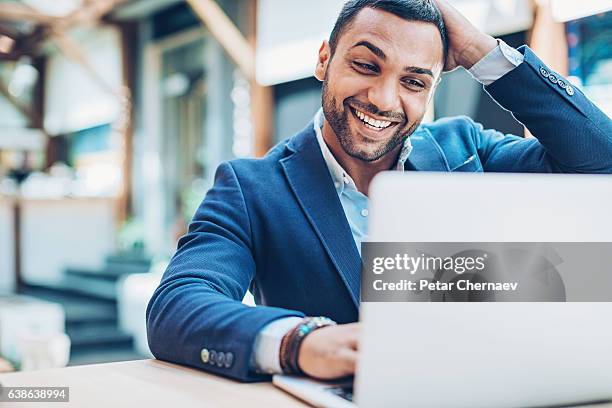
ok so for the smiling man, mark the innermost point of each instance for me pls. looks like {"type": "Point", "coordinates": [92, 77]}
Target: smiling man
{"type": "Point", "coordinates": [383, 74]}
{"type": "Point", "coordinates": [289, 226]}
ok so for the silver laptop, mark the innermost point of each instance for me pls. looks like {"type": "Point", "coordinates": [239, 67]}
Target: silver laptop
{"type": "Point", "coordinates": [507, 354]}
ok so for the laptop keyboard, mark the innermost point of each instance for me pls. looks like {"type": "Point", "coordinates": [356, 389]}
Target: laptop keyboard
{"type": "Point", "coordinates": [343, 391]}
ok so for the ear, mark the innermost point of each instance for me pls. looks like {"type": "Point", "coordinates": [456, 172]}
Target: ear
{"type": "Point", "coordinates": [323, 60]}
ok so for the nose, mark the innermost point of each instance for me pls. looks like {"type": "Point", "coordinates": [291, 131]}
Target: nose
{"type": "Point", "coordinates": [385, 95]}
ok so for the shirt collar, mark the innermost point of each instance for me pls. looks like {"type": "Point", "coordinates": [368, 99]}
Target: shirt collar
{"type": "Point", "coordinates": [340, 177]}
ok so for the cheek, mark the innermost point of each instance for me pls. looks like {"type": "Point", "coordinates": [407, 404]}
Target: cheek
{"type": "Point", "coordinates": [344, 83]}
{"type": "Point", "coordinates": [415, 105]}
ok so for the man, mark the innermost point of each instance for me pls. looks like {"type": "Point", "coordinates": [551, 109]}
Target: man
{"type": "Point", "coordinates": [289, 226]}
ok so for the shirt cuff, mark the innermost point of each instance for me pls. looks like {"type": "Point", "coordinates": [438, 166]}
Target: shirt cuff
{"type": "Point", "coordinates": [265, 358]}
{"type": "Point", "coordinates": [497, 63]}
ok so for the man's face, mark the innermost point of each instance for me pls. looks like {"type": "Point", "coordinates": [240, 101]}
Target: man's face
{"type": "Point", "coordinates": [378, 83]}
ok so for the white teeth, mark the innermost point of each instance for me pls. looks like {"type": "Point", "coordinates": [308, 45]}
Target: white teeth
{"type": "Point", "coordinates": [379, 124]}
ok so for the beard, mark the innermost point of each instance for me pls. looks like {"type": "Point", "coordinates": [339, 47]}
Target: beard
{"type": "Point", "coordinates": [338, 120]}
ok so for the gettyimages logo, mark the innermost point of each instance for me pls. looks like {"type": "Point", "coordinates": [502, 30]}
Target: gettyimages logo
{"type": "Point", "coordinates": [411, 264]}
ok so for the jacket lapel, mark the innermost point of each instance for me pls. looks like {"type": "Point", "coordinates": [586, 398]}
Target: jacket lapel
{"type": "Point", "coordinates": [312, 184]}
{"type": "Point", "coordinates": [426, 153]}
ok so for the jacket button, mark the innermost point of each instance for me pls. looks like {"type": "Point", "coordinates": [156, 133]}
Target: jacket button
{"type": "Point", "coordinates": [220, 359]}
{"type": "Point", "coordinates": [552, 78]}
{"type": "Point", "coordinates": [229, 359]}
{"type": "Point", "coordinates": [544, 72]}
{"type": "Point", "coordinates": [561, 84]}
{"type": "Point", "coordinates": [569, 90]}
{"type": "Point", "coordinates": [212, 359]}
{"type": "Point", "coordinates": [204, 355]}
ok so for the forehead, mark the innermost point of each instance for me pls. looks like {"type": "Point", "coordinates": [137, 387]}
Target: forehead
{"type": "Point", "coordinates": [412, 42]}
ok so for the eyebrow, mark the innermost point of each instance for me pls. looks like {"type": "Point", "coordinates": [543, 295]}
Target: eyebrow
{"type": "Point", "coordinates": [417, 70]}
{"type": "Point", "coordinates": [380, 54]}
{"type": "Point", "coordinates": [375, 50]}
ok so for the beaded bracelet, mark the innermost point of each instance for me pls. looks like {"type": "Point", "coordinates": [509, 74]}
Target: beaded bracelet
{"type": "Point", "coordinates": [291, 342]}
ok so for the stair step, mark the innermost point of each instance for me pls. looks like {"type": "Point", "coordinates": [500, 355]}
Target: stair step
{"type": "Point", "coordinates": [109, 336]}
{"type": "Point", "coordinates": [77, 306]}
{"type": "Point", "coordinates": [88, 314]}
{"type": "Point", "coordinates": [91, 319]}
{"type": "Point", "coordinates": [110, 273]}
{"type": "Point", "coordinates": [104, 355]}
{"type": "Point", "coordinates": [130, 258]}
{"type": "Point", "coordinates": [68, 288]}
{"type": "Point", "coordinates": [90, 286]}
{"type": "Point", "coordinates": [58, 294]}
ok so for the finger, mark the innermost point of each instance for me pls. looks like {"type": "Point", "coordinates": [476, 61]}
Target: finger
{"type": "Point", "coordinates": [347, 358]}
{"type": "Point", "coordinates": [352, 341]}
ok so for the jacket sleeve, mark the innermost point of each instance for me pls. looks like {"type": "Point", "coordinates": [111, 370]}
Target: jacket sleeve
{"type": "Point", "coordinates": [196, 315]}
{"type": "Point", "coordinates": [571, 134]}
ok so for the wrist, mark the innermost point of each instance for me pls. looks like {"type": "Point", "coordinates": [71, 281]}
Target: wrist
{"type": "Point", "coordinates": [477, 51]}
{"type": "Point", "coordinates": [292, 341]}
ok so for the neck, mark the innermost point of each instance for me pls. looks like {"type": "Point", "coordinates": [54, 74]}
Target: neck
{"type": "Point", "coordinates": [362, 172]}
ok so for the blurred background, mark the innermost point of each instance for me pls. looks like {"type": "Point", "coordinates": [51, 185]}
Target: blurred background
{"type": "Point", "coordinates": [115, 114]}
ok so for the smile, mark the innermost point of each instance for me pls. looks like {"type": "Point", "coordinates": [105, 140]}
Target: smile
{"type": "Point", "coordinates": [371, 123]}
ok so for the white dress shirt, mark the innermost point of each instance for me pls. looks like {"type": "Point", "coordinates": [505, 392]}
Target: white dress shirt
{"type": "Point", "coordinates": [265, 358]}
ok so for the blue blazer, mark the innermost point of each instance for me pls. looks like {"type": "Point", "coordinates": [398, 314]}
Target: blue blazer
{"type": "Point", "coordinates": [276, 226]}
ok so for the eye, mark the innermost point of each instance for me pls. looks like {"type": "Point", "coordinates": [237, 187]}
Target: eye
{"type": "Point", "coordinates": [413, 84]}
{"type": "Point", "coordinates": [364, 67]}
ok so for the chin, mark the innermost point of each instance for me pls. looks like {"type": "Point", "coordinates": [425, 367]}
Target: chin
{"type": "Point", "coordinates": [363, 154]}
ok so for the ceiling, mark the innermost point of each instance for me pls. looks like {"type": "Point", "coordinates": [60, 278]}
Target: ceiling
{"type": "Point", "coordinates": [25, 25]}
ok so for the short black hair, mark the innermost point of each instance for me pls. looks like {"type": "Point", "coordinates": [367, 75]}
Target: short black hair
{"type": "Point", "coordinates": [411, 10]}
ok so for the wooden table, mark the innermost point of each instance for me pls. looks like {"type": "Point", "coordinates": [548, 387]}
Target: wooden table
{"type": "Point", "coordinates": [147, 384]}
{"type": "Point", "coordinates": [150, 384]}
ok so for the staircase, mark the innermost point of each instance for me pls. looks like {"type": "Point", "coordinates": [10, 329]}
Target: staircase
{"type": "Point", "coordinates": [89, 298]}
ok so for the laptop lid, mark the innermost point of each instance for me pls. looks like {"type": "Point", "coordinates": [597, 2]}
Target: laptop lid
{"type": "Point", "coordinates": [486, 354]}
